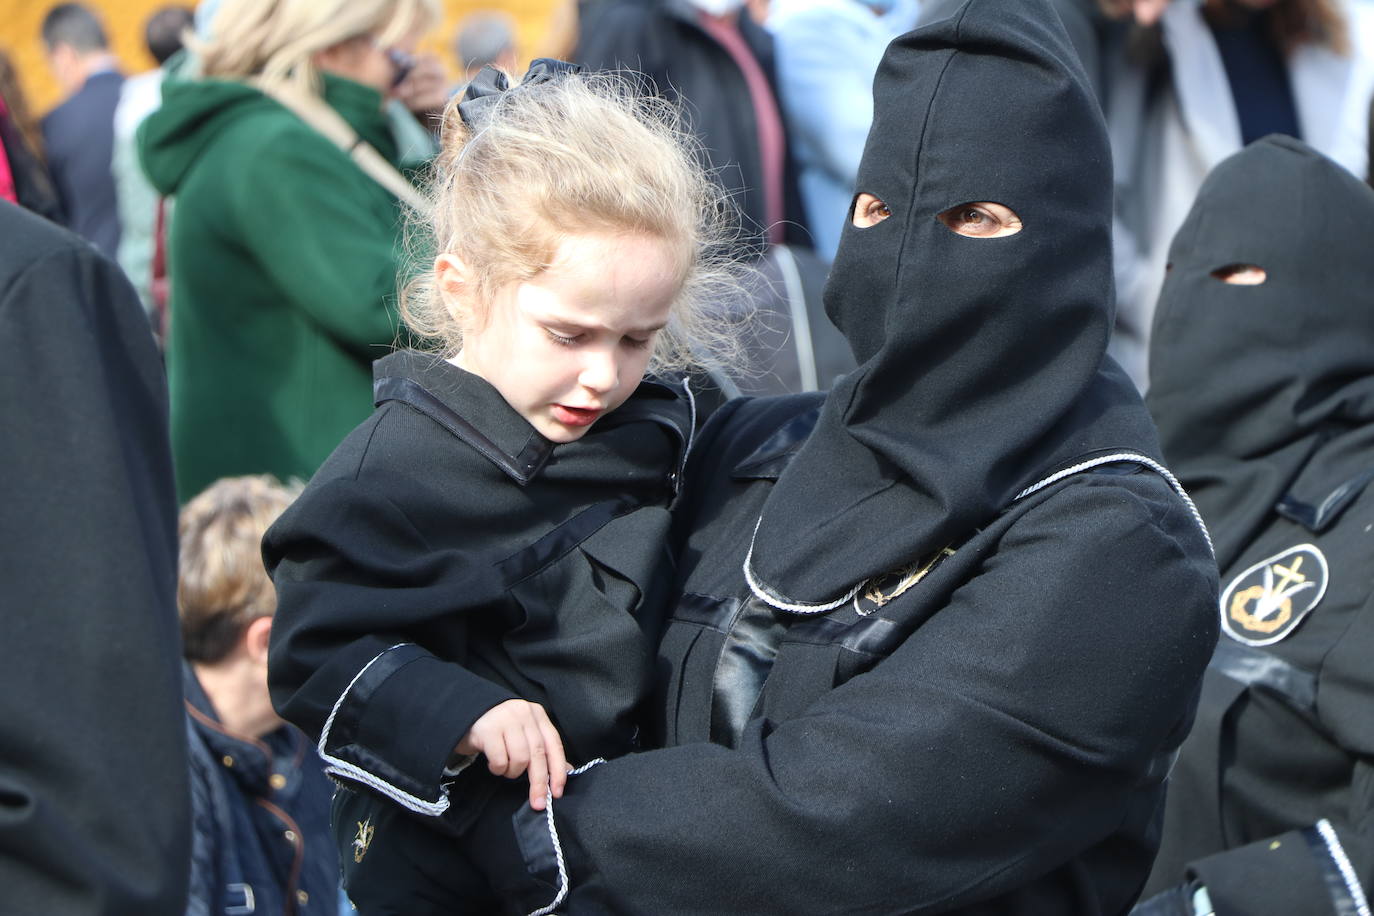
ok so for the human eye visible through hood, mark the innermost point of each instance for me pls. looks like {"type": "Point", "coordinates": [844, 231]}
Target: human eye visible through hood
{"type": "Point", "coordinates": [1241, 274]}
{"type": "Point", "coordinates": [981, 220]}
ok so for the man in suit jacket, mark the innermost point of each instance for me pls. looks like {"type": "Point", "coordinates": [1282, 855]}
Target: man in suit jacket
{"type": "Point", "coordinates": [79, 134]}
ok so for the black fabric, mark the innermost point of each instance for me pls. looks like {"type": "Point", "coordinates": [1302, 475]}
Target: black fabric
{"type": "Point", "coordinates": [93, 787]}
{"type": "Point", "coordinates": [1002, 753]}
{"type": "Point", "coordinates": [681, 61]}
{"type": "Point", "coordinates": [1253, 385]}
{"type": "Point", "coordinates": [1258, 75]}
{"type": "Point", "coordinates": [484, 89]}
{"type": "Point", "coordinates": [1263, 396]}
{"type": "Point", "coordinates": [422, 581]}
{"type": "Point", "coordinates": [956, 336]}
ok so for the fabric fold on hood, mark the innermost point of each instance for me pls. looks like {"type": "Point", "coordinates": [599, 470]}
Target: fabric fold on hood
{"type": "Point", "coordinates": [1266, 391]}
{"type": "Point", "coordinates": [982, 361]}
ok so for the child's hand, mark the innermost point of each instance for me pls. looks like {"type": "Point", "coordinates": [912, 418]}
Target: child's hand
{"type": "Point", "coordinates": [516, 736]}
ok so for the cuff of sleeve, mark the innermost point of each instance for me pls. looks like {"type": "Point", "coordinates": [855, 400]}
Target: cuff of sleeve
{"type": "Point", "coordinates": [1279, 875]}
{"type": "Point", "coordinates": [395, 726]}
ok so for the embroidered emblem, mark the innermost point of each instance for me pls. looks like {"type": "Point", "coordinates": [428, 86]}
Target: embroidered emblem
{"type": "Point", "coordinates": [902, 579]}
{"type": "Point", "coordinates": [363, 839]}
{"type": "Point", "coordinates": [1266, 603]}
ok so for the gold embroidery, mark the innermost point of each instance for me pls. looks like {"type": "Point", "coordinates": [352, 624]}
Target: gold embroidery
{"type": "Point", "coordinates": [363, 839]}
{"type": "Point", "coordinates": [906, 578]}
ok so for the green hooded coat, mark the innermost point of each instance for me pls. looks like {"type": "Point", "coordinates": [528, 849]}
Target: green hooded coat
{"type": "Point", "coordinates": [283, 257]}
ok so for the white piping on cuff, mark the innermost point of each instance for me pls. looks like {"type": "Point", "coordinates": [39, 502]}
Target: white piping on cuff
{"type": "Point", "coordinates": [338, 767]}
{"type": "Point", "coordinates": [1337, 852]}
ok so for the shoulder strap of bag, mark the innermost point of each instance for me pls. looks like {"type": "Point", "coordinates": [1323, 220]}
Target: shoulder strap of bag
{"type": "Point", "coordinates": [331, 125]}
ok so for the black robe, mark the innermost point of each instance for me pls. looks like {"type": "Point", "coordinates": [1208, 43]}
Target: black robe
{"type": "Point", "coordinates": [940, 633]}
{"type": "Point", "coordinates": [1264, 396]}
{"type": "Point", "coordinates": [93, 771]}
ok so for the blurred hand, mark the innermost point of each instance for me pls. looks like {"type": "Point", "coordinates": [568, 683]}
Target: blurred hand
{"type": "Point", "coordinates": [425, 90]}
{"type": "Point", "coordinates": [1146, 12]}
{"type": "Point", "coordinates": [517, 736]}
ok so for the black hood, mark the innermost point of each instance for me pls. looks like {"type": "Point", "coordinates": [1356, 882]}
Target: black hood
{"type": "Point", "coordinates": [982, 362]}
{"type": "Point", "coordinates": [1261, 392]}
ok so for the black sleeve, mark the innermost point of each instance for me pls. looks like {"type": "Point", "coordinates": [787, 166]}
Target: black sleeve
{"type": "Point", "coordinates": [1326, 867]}
{"type": "Point", "coordinates": [1002, 739]}
{"type": "Point", "coordinates": [93, 768]}
{"type": "Point", "coordinates": [357, 585]}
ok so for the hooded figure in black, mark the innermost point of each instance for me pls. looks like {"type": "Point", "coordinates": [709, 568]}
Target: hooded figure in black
{"type": "Point", "coordinates": [939, 634]}
{"type": "Point", "coordinates": [1262, 380]}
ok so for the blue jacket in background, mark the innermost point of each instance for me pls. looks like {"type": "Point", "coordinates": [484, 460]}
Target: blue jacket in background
{"type": "Point", "coordinates": [260, 820]}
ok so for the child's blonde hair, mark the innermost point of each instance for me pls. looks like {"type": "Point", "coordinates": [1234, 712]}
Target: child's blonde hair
{"type": "Point", "coordinates": [275, 40]}
{"type": "Point", "coordinates": [576, 153]}
{"type": "Point", "coordinates": [222, 585]}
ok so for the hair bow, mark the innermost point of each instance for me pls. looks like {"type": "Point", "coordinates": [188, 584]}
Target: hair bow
{"type": "Point", "coordinates": [489, 84]}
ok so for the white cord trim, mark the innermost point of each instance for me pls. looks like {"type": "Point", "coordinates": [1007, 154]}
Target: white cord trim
{"type": "Point", "coordinates": [1150, 463]}
{"type": "Point", "coordinates": [563, 883]}
{"type": "Point", "coordinates": [1337, 851]}
{"type": "Point", "coordinates": [763, 593]}
{"type": "Point", "coordinates": [337, 767]}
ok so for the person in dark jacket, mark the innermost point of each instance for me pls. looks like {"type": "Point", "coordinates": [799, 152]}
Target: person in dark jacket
{"type": "Point", "coordinates": [259, 796]}
{"type": "Point", "coordinates": [1262, 382]}
{"type": "Point", "coordinates": [710, 57]}
{"type": "Point", "coordinates": [78, 135]}
{"type": "Point", "coordinates": [940, 633]}
{"type": "Point", "coordinates": [92, 742]}
{"type": "Point", "coordinates": [467, 573]}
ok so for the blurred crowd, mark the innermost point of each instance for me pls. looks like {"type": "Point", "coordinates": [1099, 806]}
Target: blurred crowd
{"type": "Point", "coordinates": [254, 188]}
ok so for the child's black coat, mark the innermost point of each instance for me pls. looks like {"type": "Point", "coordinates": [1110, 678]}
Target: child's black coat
{"type": "Point", "coordinates": [447, 558]}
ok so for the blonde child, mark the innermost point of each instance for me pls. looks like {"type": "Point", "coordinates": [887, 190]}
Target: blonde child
{"type": "Point", "coordinates": [465, 586]}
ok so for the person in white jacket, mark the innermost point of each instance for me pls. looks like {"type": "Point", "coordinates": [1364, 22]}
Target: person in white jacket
{"type": "Point", "coordinates": [1185, 91]}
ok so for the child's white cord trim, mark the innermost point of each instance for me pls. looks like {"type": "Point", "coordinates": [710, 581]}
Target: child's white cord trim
{"type": "Point", "coordinates": [563, 883]}
{"type": "Point", "coordinates": [337, 767]}
{"type": "Point", "coordinates": [1150, 463]}
{"type": "Point", "coordinates": [1337, 851]}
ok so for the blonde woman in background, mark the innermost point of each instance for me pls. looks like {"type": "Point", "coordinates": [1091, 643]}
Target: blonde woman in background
{"type": "Point", "coordinates": [284, 249]}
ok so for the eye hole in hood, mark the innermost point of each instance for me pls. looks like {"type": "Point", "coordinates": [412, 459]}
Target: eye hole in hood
{"type": "Point", "coordinates": [1241, 274]}
{"type": "Point", "coordinates": [981, 220]}
{"type": "Point", "coordinates": [868, 210]}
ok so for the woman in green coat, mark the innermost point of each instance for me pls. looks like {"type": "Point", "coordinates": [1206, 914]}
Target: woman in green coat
{"type": "Point", "coordinates": [283, 251]}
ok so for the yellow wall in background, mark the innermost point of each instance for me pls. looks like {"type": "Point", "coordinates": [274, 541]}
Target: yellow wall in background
{"type": "Point", "coordinates": [536, 22]}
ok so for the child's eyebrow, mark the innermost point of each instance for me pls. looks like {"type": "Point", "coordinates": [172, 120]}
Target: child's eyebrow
{"type": "Point", "coordinates": [565, 322]}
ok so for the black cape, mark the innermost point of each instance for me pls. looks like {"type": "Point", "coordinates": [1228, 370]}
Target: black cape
{"type": "Point", "coordinates": [93, 767]}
